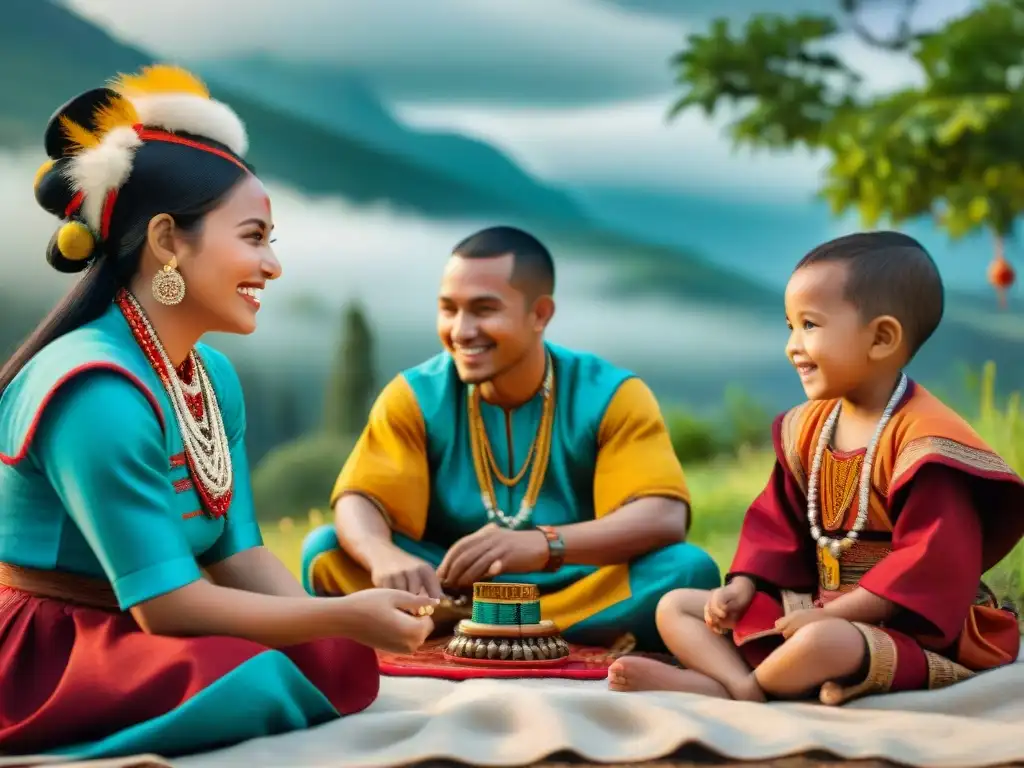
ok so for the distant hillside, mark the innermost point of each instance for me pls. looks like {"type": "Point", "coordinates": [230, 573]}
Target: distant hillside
{"type": "Point", "coordinates": [55, 54]}
{"type": "Point", "coordinates": [339, 102]}
{"type": "Point", "coordinates": [320, 156]}
{"type": "Point", "coordinates": [332, 149]}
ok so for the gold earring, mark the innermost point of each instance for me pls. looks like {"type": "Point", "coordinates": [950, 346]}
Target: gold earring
{"type": "Point", "coordinates": [168, 285]}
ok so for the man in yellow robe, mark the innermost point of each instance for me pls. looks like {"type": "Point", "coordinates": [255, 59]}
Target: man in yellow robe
{"type": "Point", "coordinates": [508, 458]}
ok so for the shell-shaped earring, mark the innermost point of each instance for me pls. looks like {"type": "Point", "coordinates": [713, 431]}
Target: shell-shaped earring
{"type": "Point", "coordinates": [169, 285]}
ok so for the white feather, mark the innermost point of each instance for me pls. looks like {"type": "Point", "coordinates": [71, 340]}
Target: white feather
{"type": "Point", "coordinates": [193, 114]}
{"type": "Point", "coordinates": [100, 169]}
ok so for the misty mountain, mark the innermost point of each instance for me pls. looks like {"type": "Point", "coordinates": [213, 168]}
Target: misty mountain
{"type": "Point", "coordinates": [333, 137]}
{"type": "Point", "coordinates": [320, 155]}
{"type": "Point", "coordinates": [700, 14]}
{"type": "Point", "coordinates": [56, 55]}
{"type": "Point", "coordinates": [340, 102]}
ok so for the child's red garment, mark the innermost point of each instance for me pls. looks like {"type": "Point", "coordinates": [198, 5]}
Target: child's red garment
{"type": "Point", "coordinates": [943, 509]}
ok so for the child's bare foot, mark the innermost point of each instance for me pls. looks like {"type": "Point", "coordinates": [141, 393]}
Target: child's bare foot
{"type": "Point", "coordinates": [636, 673]}
{"type": "Point", "coordinates": [832, 694]}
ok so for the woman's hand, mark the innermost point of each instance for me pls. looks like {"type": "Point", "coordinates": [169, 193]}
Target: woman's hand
{"type": "Point", "coordinates": [389, 619]}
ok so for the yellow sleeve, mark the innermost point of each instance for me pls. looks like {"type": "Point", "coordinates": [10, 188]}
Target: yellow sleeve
{"type": "Point", "coordinates": [634, 453]}
{"type": "Point", "coordinates": [389, 462]}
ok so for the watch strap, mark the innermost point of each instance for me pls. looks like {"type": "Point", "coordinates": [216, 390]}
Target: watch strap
{"type": "Point", "coordinates": [556, 547]}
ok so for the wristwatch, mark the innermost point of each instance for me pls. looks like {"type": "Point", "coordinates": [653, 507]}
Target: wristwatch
{"type": "Point", "coordinates": [556, 548]}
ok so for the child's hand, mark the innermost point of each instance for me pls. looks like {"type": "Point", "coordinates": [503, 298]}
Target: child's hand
{"type": "Point", "coordinates": [788, 625]}
{"type": "Point", "coordinates": [726, 604]}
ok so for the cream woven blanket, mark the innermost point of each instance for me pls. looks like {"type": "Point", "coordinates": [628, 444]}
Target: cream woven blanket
{"type": "Point", "coordinates": [505, 723]}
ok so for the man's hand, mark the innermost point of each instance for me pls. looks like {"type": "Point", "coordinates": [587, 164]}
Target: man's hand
{"type": "Point", "coordinates": [491, 551]}
{"type": "Point", "coordinates": [789, 624]}
{"type": "Point", "coordinates": [726, 604]}
{"type": "Point", "coordinates": [393, 568]}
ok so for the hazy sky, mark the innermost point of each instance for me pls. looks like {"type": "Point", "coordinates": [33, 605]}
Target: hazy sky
{"type": "Point", "coordinates": [576, 90]}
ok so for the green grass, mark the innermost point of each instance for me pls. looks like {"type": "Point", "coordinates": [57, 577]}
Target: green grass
{"type": "Point", "coordinates": [284, 538]}
{"type": "Point", "coordinates": [723, 489]}
{"type": "Point", "coordinates": [1002, 427]}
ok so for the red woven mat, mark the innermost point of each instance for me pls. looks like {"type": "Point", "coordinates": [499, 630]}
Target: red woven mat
{"type": "Point", "coordinates": [585, 663]}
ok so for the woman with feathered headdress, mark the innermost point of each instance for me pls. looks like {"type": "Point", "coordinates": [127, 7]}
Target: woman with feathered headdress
{"type": "Point", "coordinates": [122, 463]}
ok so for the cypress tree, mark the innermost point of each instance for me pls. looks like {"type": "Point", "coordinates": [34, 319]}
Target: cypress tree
{"type": "Point", "coordinates": [350, 388]}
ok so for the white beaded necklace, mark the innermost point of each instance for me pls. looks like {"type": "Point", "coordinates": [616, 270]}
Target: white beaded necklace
{"type": "Point", "coordinates": [838, 546]}
{"type": "Point", "coordinates": [205, 439]}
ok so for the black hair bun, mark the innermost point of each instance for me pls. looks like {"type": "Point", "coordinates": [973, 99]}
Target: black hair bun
{"type": "Point", "coordinates": [53, 188]}
{"type": "Point", "coordinates": [81, 110]}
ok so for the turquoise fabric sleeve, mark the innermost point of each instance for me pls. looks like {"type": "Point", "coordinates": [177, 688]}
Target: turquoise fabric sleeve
{"type": "Point", "coordinates": [241, 531]}
{"type": "Point", "coordinates": [101, 445]}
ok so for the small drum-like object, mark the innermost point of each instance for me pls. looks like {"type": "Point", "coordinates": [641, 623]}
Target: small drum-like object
{"type": "Point", "coordinates": [507, 630]}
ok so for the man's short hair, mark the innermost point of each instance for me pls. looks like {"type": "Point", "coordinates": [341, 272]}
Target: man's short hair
{"type": "Point", "coordinates": [533, 270]}
{"type": "Point", "coordinates": [888, 273]}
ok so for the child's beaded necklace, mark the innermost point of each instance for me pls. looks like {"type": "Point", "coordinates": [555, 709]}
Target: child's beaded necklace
{"type": "Point", "coordinates": [836, 547]}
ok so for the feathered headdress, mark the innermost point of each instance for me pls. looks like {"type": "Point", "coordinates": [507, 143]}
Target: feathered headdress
{"type": "Point", "coordinates": [96, 135]}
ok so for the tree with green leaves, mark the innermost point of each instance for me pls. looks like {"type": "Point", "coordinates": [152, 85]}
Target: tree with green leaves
{"type": "Point", "coordinates": [351, 387]}
{"type": "Point", "coordinates": [950, 149]}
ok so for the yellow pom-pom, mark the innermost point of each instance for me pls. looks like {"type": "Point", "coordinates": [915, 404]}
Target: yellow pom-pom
{"type": "Point", "coordinates": [74, 241]}
{"type": "Point", "coordinates": [43, 170]}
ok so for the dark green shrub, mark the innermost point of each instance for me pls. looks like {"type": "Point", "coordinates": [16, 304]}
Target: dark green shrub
{"type": "Point", "coordinates": [747, 423]}
{"type": "Point", "coordinates": [298, 476]}
{"type": "Point", "coordinates": [693, 438]}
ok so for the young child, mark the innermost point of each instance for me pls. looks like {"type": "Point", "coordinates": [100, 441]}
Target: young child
{"type": "Point", "coordinates": [859, 566]}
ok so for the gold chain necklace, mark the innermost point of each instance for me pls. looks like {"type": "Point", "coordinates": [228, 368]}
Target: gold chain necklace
{"type": "Point", "coordinates": [486, 467]}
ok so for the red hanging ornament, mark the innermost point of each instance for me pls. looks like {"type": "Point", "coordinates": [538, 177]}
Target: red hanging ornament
{"type": "Point", "coordinates": [1002, 277]}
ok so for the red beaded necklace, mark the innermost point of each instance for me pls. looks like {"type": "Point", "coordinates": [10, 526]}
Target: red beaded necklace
{"type": "Point", "coordinates": [214, 505]}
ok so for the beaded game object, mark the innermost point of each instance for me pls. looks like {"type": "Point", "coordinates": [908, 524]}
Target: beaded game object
{"type": "Point", "coordinates": [506, 630]}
